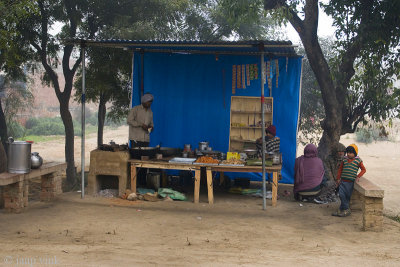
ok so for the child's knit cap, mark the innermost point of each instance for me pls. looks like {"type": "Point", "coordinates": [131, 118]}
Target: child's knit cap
{"type": "Point", "coordinates": [352, 149]}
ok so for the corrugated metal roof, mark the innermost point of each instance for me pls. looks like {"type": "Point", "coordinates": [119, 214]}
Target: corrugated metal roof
{"type": "Point", "coordinates": [276, 48]}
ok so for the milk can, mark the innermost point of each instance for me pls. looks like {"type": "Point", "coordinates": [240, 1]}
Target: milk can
{"type": "Point", "coordinates": [19, 156]}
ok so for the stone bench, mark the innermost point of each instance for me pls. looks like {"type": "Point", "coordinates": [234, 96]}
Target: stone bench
{"type": "Point", "coordinates": [16, 186]}
{"type": "Point", "coordinates": [368, 197]}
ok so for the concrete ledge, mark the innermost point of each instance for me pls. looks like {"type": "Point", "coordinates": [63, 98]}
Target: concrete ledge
{"type": "Point", "coordinates": [368, 188]}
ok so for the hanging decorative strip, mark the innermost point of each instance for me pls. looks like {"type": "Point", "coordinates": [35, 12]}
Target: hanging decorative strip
{"type": "Point", "coordinates": [277, 71]}
{"type": "Point", "coordinates": [233, 79]}
{"type": "Point", "coordinates": [251, 70]}
{"type": "Point", "coordinates": [244, 76]}
{"type": "Point", "coordinates": [287, 62]}
{"type": "Point", "coordinates": [265, 71]}
{"type": "Point", "coordinates": [255, 71]}
{"type": "Point", "coordinates": [248, 74]}
{"type": "Point", "coordinates": [239, 76]}
{"type": "Point", "coordinates": [269, 74]}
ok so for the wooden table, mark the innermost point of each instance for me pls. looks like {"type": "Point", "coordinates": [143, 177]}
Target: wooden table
{"type": "Point", "coordinates": [159, 164]}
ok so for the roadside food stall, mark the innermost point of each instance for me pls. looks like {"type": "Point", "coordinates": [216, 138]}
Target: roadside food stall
{"type": "Point", "coordinates": [212, 92]}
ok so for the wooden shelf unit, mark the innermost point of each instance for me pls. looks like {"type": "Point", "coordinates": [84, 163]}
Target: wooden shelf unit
{"type": "Point", "coordinates": [245, 124]}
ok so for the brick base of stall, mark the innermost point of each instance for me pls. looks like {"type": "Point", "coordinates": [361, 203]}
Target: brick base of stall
{"type": "Point", "coordinates": [13, 195]}
{"type": "Point", "coordinates": [51, 186]}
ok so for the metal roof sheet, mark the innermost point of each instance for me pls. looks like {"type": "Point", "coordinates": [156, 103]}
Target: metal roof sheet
{"type": "Point", "coordinates": [275, 48]}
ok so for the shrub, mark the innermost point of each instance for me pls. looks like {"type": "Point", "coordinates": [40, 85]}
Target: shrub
{"type": "Point", "coordinates": [31, 122]}
{"type": "Point", "coordinates": [16, 130]}
{"type": "Point", "coordinates": [45, 126]}
{"type": "Point", "coordinates": [372, 132]}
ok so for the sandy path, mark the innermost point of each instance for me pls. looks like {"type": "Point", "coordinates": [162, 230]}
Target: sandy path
{"type": "Point", "coordinates": [234, 231]}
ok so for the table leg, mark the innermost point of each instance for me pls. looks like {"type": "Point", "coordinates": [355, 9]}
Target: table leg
{"type": "Point", "coordinates": [274, 188]}
{"type": "Point", "coordinates": [164, 179]}
{"type": "Point", "coordinates": [221, 178]}
{"type": "Point", "coordinates": [210, 187]}
{"type": "Point", "coordinates": [197, 174]}
{"type": "Point", "coordinates": [133, 178]}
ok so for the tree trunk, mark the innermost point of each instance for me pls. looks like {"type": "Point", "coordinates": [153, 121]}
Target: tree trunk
{"type": "Point", "coordinates": [3, 159]}
{"type": "Point", "coordinates": [101, 116]}
{"type": "Point", "coordinates": [307, 30]}
{"type": "Point", "coordinates": [69, 142]}
{"type": "Point", "coordinates": [3, 127]}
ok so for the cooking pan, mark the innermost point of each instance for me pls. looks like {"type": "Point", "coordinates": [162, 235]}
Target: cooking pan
{"type": "Point", "coordinates": [138, 152]}
{"type": "Point", "coordinates": [169, 151]}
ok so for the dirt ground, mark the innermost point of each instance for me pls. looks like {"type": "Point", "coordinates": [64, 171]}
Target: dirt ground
{"type": "Point", "coordinates": [96, 231]}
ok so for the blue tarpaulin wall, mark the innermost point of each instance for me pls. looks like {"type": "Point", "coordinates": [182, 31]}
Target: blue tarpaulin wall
{"type": "Point", "coordinates": [192, 96]}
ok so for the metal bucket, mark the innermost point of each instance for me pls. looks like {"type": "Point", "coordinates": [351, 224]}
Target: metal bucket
{"type": "Point", "coordinates": [153, 180]}
{"type": "Point", "coordinates": [19, 156]}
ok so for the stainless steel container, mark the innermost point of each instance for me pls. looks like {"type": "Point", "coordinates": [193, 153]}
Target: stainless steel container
{"type": "Point", "coordinates": [19, 156]}
{"type": "Point", "coordinates": [203, 146]}
{"type": "Point", "coordinates": [187, 147]}
{"type": "Point", "coordinates": [277, 158]}
{"type": "Point", "coordinates": [153, 180]}
{"type": "Point", "coordinates": [36, 160]}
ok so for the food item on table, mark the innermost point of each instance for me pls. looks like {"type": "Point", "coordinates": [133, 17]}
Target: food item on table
{"type": "Point", "coordinates": [206, 159]}
{"type": "Point", "coordinates": [233, 161]}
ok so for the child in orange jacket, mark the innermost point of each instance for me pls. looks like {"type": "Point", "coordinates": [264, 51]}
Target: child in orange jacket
{"type": "Point", "coordinates": [347, 175]}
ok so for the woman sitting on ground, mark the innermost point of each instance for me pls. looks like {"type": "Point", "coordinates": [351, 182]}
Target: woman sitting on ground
{"type": "Point", "coordinates": [308, 172]}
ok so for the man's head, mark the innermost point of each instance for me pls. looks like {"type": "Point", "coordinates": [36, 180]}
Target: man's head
{"type": "Point", "coordinates": [271, 131]}
{"type": "Point", "coordinates": [147, 100]}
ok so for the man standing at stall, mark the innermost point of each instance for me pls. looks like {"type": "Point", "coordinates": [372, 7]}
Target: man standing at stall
{"type": "Point", "coordinates": [140, 121]}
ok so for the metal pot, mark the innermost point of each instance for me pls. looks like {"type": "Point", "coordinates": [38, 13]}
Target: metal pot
{"type": "Point", "coordinates": [203, 145]}
{"type": "Point", "coordinates": [187, 147]}
{"type": "Point", "coordinates": [138, 152]}
{"type": "Point", "coordinates": [169, 151]}
{"type": "Point", "coordinates": [250, 152]}
{"type": "Point", "coordinates": [277, 158]}
{"type": "Point", "coordinates": [19, 156]}
{"type": "Point", "coordinates": [36, 160]}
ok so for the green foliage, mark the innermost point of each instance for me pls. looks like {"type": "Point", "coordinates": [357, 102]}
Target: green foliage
{"type": "Point", "coordinates": [45, 126]}
{"type": "Point", "coordinates": [365, 135]}
{"type": "Point", "coordinates": [244, 19]}
{"type": "Point", "coordinates": [15, 129]}
{"type": "Point", "coordinates": [371, 31]}
{"type": "Point", "coordinates": [16, 100]}
{"type": "Point", "coordinates": [372, 132]}
{"type": "Point", "coordinates": [114, 123]}
{"type": "Point", "coordinates": [395, 218]}
{"type": "Point", "coordinates": [14, 50]}
{"type": "Point", "coordinates": [40, 138]}
{"type": "Point", "coordinates": [53, 126]}
{"type": "Point", "coordinates": [362, 67]}
{"type": "Point", "coordinates": [312, 107]}
{"type": "Point", "coordinates": [90, 117]}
